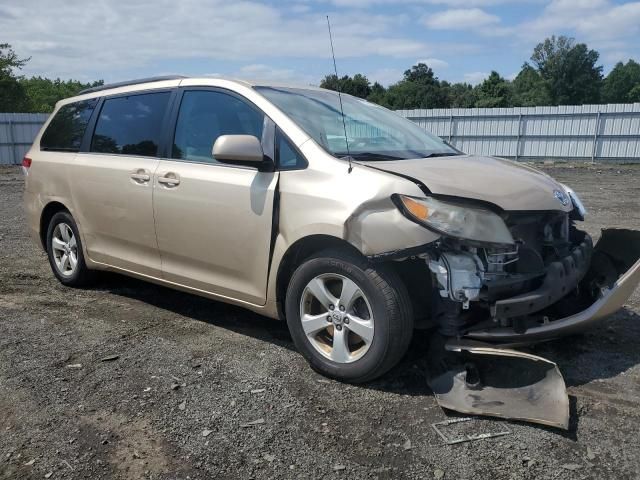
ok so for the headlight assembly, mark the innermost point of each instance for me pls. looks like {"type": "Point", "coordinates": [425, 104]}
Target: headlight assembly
{"type": "Point", "coordinates": [458, 221]}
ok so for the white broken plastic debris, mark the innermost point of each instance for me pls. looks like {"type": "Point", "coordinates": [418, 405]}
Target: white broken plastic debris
{"type": "Point", "coordinates": [253, 423]}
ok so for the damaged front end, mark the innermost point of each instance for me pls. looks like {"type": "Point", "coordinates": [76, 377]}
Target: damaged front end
{"type": "Point", "coordinates": [541, 280]}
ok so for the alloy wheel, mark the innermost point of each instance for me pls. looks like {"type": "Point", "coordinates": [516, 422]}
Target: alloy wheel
{"type": "Point", "coordinates": [64, 248]}
{"type": "Point", "coordinates": [337, 318]}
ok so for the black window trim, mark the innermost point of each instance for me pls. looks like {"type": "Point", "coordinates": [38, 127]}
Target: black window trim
{"type": "Point", "coordinates": [169, 122]}
{"type": "Point", "coordinates": [85, 146]}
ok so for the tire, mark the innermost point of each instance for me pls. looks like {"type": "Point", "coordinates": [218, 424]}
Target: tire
{"type": "Point", "coordinates": [62, 227]}
{"type": "Point", "coordinates": [383, 313]}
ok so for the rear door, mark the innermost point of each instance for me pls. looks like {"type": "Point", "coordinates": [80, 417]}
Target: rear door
{"type": "Point", "coordinates": [213, 221]}
{"type": "Point", "coordinates": [113, 181]}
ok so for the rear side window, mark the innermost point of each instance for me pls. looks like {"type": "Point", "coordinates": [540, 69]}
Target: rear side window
{"type": "Point", "coordinates": [204, 116]}
{"type": "Point", "coordinates": [131, 125]}
{"type": "Point", "coordinates": [66, 129]}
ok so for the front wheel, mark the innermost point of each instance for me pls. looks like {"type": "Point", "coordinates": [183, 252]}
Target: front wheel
{"type": "Point", "coordinates": [350, 319]}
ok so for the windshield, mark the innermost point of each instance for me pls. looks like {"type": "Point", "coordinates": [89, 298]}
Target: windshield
{"type": "Point", "coordinates": [373, 132]}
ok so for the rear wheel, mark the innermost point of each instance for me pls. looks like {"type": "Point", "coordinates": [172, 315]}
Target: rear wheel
{"type": "Point", "coordinates": [350, 319]}
{"type": "Point", "coordinates": [64, 249]}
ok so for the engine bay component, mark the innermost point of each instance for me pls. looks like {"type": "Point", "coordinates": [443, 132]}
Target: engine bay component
{"type": "Point", "coordinates": [613, 275]}
{"type": "Point", "coordinates": [481, 379]}
{"type": "Point", "coordinates": [457, 275]}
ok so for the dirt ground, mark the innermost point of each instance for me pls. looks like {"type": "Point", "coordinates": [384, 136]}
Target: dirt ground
{"type": "Point", "coordinates": [200, 389]}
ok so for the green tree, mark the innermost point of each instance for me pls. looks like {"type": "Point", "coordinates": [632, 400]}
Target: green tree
{"type": "Point", "coordinates": [43, 93]}
{"type": "Point", "coordinates": [621, 82]}
{"type": "Point", "coordinates": [12, 96]}
{"type": "Point", "coordinates": [419, 88]}
{"type": "Point", "coordinates": [569, 71]}
{"type": "Point", "coordinates": [529, 88]}
{"type": "Point", "coordinates": [494, 92]}
{"type": "Point", "coordinates": [377, 94]}
{"type": "Point", "coordinates": [460, 95]}
{"type": "Point", "coordinates": [634, 94]}
{"type": "Point", "coordinates": [358, 85]}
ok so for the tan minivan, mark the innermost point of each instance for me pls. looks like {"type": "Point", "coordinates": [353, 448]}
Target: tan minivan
{"type": "Point", "coordinates": [347, 220]}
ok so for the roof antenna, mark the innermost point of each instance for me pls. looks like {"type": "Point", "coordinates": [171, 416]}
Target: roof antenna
{"type": "Point", "coordinates": [335, 69]}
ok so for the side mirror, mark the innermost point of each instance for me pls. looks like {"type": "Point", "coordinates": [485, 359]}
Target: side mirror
{"type": "Point", "coordinates": [240, 149]}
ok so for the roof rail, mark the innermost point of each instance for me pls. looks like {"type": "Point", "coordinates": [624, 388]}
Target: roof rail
{"type": "Point", "coordinates": [131, 82]}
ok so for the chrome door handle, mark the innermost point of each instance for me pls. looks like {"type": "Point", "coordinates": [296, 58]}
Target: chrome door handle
{"type": "Point", "coordinates": [141, 176]}
{"type": "Point", "coordinates": [169, 179]}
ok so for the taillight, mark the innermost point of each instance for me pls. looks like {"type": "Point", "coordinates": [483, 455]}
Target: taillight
{"type": "Point", "coordinates": [26, 163]}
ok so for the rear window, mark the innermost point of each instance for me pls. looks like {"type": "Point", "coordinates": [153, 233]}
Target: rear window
{"type": "Point", "coordinates": [66, 129]}
{"type": "Point", "coordinates": [131, 125]}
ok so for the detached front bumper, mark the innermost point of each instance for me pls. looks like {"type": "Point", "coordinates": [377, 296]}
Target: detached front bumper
{"type": "Point", "coordinates": [621, 249]}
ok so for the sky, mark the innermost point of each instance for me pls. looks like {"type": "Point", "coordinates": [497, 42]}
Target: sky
{"type": "Point", "coordinates": [287, 40]}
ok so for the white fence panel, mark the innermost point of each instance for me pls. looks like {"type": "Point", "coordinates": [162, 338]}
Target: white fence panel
{"type": "Point", "coordinates": [587, 132]}
{"type": "Point", "coordinates": [17, 131]}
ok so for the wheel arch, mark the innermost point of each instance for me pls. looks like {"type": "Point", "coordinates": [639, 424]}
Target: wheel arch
{"type": "Point", "coordinates": [47, 214]}
{"type": "Point", "coordinates": [297, 253]}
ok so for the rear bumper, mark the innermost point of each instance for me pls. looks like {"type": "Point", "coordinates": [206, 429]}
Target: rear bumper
{"type": "Point", "coordinates": [623, 248]}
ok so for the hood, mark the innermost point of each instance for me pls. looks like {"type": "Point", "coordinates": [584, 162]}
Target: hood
{"type": "Point", "coordinates": [507, 184]}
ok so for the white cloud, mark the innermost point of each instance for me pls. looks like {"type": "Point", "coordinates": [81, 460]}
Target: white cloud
{"type": "Point", "coordinates": [611, 26]}
{"type": "Point", "coordinates": [260, 71]}
{"type": "Point", "coordinates": [460, 19]}
{"type": "Point", "coordinates": [68, 40]}
{"type": "Point", "coordinates": [434, 63]}
{"type": "Point", "coordinates": [386, 76]}
{"type": "Point", "coordinates": [448, 3]}
{"type": "Point", "coordinates": [474, 78]}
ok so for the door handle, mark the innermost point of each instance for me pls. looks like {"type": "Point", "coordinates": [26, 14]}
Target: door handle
{"type": "Point", "coordinates": [169, 179]}
{"type": "Point", "coordinates": [141, 175]}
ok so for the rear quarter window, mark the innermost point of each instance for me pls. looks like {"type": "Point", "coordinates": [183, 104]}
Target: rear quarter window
{"type": "Point", "coordinates": [65, 131]}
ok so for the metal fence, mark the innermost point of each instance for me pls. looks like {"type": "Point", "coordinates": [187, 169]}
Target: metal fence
{"type": "Point", "coordinates": [17, 131]}
{"type": "Point", "coordinates": [588, 132]}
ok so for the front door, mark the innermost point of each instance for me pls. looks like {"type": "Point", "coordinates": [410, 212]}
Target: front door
{"type": "Point", "coordinates": [112, 183]}
{"type": "Point", "coordinates": [213, 221]}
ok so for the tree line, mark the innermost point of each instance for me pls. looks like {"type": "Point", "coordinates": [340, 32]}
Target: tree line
{"type": "Point", "coordinates": [35, 94]}
{"type": "Point", "coordinates": [560, 72]}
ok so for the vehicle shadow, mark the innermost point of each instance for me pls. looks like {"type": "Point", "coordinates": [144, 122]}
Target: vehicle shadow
{"type": "Point", "coordinates": [600, 354]}
{"type": "Point", "coordinates": [223, 315]}
{"type": "Point", "coordinates": [407, 378]}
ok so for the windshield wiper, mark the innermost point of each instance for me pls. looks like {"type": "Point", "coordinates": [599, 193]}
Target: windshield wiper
{"type": "Point", "coordinates": [442, 154]}
{"type": "Point", "coordinates": [370, 156]}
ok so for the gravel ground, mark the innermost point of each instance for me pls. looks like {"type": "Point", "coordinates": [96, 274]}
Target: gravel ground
{"type": "Point", "coordinates": [200, 389]}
